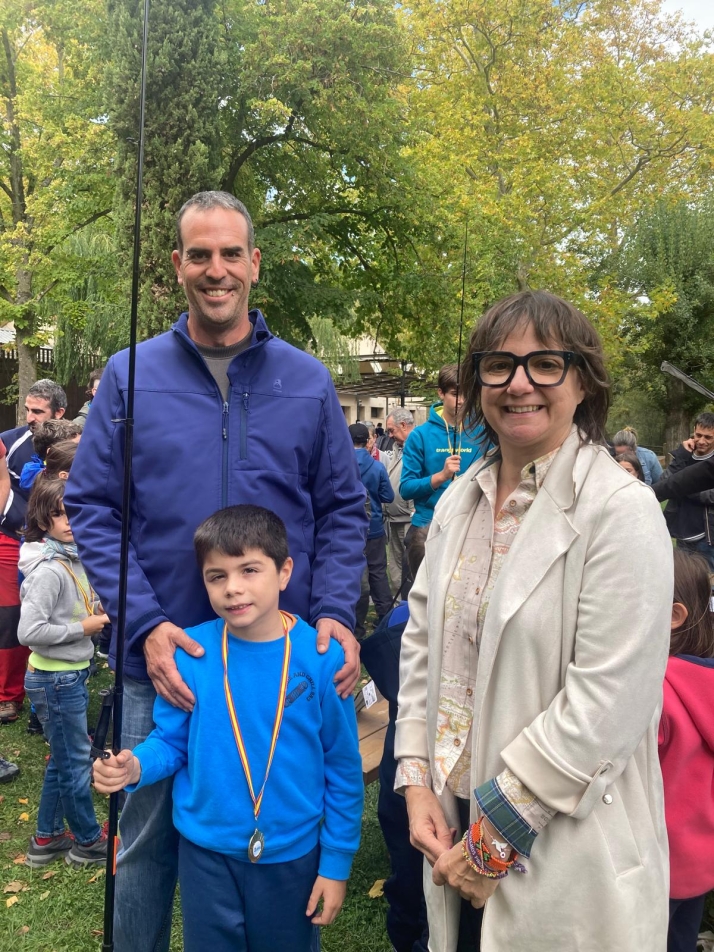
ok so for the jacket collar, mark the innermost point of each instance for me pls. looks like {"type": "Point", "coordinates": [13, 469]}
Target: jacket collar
{"type": "Point", "coordinates": [261, 333]}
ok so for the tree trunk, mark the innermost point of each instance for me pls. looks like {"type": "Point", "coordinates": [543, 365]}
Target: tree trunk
{"type": "Point", "coordinates": [26, 355]}
{"type": "Point", "coordinates": [677, 428]}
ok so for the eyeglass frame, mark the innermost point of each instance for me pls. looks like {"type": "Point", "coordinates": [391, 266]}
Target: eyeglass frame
{"type": "Point", "coordinates": [569, 357]}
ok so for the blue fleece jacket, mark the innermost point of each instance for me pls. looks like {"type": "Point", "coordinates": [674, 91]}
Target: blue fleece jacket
{"type": "Point", "coordinates": [376, 481]}
{"type": "Point", "coordinates": [314, 791]}
{"type": "Point", "coordinates": [279, 441]}
{"type": "Point", "coordinates": [425, 453]}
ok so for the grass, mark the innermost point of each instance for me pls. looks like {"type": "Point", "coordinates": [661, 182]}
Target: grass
{"type": "Point", "coordinates": [64, 912]}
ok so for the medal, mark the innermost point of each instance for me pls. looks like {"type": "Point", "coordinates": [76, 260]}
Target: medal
{"type": "Point", "coordinates": [256, 845]}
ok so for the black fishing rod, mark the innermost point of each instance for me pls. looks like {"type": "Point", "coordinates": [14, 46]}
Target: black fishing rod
{"type": "Point", "coordinates": [117, 697]}
{"type": "Point", "coordinates": [461, 334]}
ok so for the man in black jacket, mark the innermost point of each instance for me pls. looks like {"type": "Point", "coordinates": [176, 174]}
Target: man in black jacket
{"type": "Point", "coordinates": [690, 517]}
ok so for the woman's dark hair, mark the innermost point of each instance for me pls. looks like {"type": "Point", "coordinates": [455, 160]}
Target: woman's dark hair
{"type": "Point", "coordinates": [555, 323]}
{"type": "Point", "coordinates": [692, 587]}
{"type": "Point", "coordinates": [44, 505]}
{"type": "Point", "coordinates": [634, 462]}
{"type": "Point", "coordinates": [239, 528]}
{"type": "Point", "coordinates": [60, 457]}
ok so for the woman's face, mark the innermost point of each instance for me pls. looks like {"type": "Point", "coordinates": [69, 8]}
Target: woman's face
{"type": "Point", "coordinates": [531, 421]}
{"type": "Point", "coordinates": [629, 468]}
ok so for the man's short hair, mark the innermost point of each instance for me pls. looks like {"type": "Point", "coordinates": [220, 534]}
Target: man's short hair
{"type": "Point", "coordinates": [52, 431]}
{"type": "Point", "coordinates": [205, 201]}
{"type": "Point", "coordinates": [448, 378]}
{"type": "Point", "coordinates": [705, 420]}
{"type": "Point", "coordinates": [235, 530]}
{"type": "Point", "coordinates": [95, 375]}
{"type": "Point", "coordinates": [359, 434]}
{"type": "Point", "coordinates": [401, 415]}
{"type": "Point", "coordinates": [51, 392]}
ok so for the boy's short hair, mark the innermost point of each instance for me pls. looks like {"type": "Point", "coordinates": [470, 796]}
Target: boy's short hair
{"type": "Point", "coordinates": [52, 431]}
{"type": "Point", "coordinates": [448, 378]}
{"type": "Point", "coordinates": [238, 528]}
{"type": "Point", "coordinates": [44, 505]}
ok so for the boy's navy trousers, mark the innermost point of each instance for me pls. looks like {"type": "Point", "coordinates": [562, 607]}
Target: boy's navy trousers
{"type": "Point", "coordinates": [234, 906]}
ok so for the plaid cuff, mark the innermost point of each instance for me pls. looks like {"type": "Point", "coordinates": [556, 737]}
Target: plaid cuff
{"type": "Point", "coordinates": [501, 813]}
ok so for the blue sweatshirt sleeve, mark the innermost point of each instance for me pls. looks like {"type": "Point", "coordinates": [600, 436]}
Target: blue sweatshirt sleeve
{"type": "Point", "coordinates": [340, 518]}
{"type": "Point", "coordinates": [386, 493]}
{"type": "Point", "coordinates": [413, 484]}
{"type": "Point", "coordinates": [93, 500]}
{"type": "Point", "coordinates": [344, 789]}
{"type": "Point", "coordinates": [165, 750]}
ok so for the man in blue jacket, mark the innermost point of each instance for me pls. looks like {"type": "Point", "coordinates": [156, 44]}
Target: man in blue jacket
{"type": "Point", "coordinates": [435, 454]}
{"type": "Point", "coordinates": [225, 413]}
{"type": "Point", "coordinates": [379, 490]}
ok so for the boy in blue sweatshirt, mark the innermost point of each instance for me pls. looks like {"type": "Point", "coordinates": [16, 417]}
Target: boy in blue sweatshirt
{"type": "Point", "coordinates": [268, 776]}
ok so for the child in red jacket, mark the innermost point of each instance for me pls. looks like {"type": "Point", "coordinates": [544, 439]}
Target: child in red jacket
{"type": "Point", "coordinates": [686, 750]}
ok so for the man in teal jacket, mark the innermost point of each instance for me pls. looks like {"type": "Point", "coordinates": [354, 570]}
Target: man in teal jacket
{"type": "Point", "coordinates": [435, 453]}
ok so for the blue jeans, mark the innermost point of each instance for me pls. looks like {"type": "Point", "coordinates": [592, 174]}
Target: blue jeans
{"type": "Point", "coordinates": [702, 548]}
{"type": "Point", "coordinates": [60, 699]}
{"type": "Point", "coordinates": [234, 906]}
{"type": "Point", "coordinates": [147, 863]}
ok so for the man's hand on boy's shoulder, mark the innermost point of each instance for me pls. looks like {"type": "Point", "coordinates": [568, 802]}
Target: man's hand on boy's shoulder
{"type": "Point", "coordinates": [332, 892]}
{"type": "Point", "coordinates": [346, 677]}
{"type": "Point", "coordinates": [159, 650]}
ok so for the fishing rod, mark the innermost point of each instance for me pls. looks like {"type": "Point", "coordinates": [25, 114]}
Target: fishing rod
{"type": "Point", "coordinates": [461, 333]}
{"type": "Point", "coordinates": [117, 701]}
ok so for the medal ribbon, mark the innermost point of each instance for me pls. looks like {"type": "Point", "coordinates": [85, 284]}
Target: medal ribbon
{"type": "Point", "coordinates": [82, 591]}
{"type": "Point", "coordinates": [242, 753]}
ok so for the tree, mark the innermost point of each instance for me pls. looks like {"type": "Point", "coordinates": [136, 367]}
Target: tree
{"type": "Point", "coordinates": [54, 156]}
{"type": "Point", "coordinates": [554, 125]}
{"type": "Point", "coordinates": [667, 269]}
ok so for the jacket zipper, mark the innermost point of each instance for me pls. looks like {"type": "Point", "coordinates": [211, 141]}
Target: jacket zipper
{"type": "Point", "coordinates": [244, 426]}
{"type": "Point", "coordinates": [224, 480]}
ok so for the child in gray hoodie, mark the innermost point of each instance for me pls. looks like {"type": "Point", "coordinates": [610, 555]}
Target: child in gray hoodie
{"type": "Point", "coordinates": [58, 616]}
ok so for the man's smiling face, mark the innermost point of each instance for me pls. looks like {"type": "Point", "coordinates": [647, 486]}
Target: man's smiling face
{"type": "Point", "coordinates": [216, 268]}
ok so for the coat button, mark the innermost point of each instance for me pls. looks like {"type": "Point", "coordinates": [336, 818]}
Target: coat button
{"type": "Point", "coordinates": [607, 798]}
{"type": "Point", "coordinates": [457, 742]}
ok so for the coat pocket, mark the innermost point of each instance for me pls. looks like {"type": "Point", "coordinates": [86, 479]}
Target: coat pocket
{"type": "Point", "coordinates": [614, 823]}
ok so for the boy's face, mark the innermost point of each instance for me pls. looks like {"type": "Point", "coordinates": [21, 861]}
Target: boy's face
{"type": "Point", "coordinates": [244, 589]}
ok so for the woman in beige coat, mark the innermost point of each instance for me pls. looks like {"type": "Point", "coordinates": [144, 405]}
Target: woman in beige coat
{"type": "Point", "coordinates": [533, 661]}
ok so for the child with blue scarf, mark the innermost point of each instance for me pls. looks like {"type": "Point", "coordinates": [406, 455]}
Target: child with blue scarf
{"type": "Point", "coordinates": [58, 616]}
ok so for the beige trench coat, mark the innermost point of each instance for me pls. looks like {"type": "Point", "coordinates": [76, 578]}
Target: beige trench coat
{"type": "Point", "coordinates": [568, 696]}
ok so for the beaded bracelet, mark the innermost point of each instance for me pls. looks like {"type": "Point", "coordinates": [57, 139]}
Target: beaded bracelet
{"type": "Point", "coordinates": [475, 864]}
{"type": "Point", "coordinates": [475, 839]}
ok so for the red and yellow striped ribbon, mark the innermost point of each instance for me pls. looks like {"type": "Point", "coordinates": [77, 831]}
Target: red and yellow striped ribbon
{"type": "Point", "coordinates": [242, 753]}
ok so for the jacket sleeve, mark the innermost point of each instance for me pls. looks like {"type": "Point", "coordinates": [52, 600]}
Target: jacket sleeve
{"type": "Point", "coordinates": [386, 493]}
{"type": "Point", "coordinates": [414, 484]}
{"type": "Point", "coordinates": [40, 594]}
{"type": "Point", "coordinates": [344, 789]}
{"type": "Point", "coordinates": [93, 500]}
{"type": "Point", "coordinates": [340, 518]}
{"type": "Point", "coordinates": [699, 477]}
{"type": "Point", "coordinates": [654, 467]}
{"type": "Point", "coordinates": [612, 690]}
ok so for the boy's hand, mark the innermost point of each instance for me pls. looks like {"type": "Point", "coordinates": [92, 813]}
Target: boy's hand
{"type": "Point", "coordinates": [93, 624]}
{"type": "Point", "coordinates": [348, 674]}
{"type": "Point", "coordinates": [159, 650]}
{"type": "Point", "coordinates": [116, 772]}
{"type": "Point", "coordinates": [332, 892]}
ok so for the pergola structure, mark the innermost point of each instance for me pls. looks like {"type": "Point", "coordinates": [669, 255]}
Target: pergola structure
{"type": "Point", "coordinates": [383, 376]}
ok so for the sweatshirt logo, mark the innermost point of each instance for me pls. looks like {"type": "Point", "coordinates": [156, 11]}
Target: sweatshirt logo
{"type": "Point", "coordinates": [300, 683]}
{"type": "Point", "coordinates": [277, 384]}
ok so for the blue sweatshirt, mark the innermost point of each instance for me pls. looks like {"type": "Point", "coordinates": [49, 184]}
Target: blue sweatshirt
{"type": "Point", "coordinates": [376, 481]}
{"type": "Point", "coordinates": [425, 452]}
{"type": "Point", "coordinates": [314, 792]}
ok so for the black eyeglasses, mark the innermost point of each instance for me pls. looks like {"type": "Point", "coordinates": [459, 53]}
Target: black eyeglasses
{"type": "Point", "coordinates": [544, 368]}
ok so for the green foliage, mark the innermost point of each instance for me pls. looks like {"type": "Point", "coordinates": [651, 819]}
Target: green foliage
{"type": "Point", "coordinates": [184, 66]}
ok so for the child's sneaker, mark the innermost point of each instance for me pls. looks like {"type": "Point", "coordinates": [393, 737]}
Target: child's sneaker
{"type": "Point", "coordinates": [40, 854]}
{"type": "Point", "coordinates": [8, 771]}
{"type": "Point", "coordinates": [33, 724]}
{"type": "Point", "coordinates": [93, 855]}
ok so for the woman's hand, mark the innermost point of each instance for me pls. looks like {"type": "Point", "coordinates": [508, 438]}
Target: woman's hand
{"type": "Point", "coordinates": [451, 869]}
{"type": "Point", "coordinates": [428, 829]}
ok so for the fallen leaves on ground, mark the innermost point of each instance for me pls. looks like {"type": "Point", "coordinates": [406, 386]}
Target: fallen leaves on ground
{"type": "Point", "coordinates": [377, 890]}
{"type": "Point", "coordinates": [19, 860]}
{"type": "Point", "coordinates": [22, 800]}
{"type": "Point", "coordinates": [15, 887]}
{"type": "Point", "coordinates": [98, 875]}
{"type": "Point", "coordinates": [23, 930]}
{"type": "Point", "coordinates": [4, 837]}
{"type": "Point", "coordinates": [49, 874]}
{"type": "Point", "coordinates": [11, 901]}
{"type": "Point", "coordinates": [24, 817]}
{"type": "Point", "coordinates": [44, 895]}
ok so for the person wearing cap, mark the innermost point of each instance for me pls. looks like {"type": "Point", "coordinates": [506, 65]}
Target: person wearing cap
{"type": "Point", "coordinates": [379, 491]}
